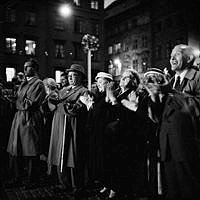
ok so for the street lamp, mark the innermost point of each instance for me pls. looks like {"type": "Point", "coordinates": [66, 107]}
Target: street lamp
{"type": "Point", "coordinates": [90, 43]}
{"type": "Point", "coordinates": [65, 10]}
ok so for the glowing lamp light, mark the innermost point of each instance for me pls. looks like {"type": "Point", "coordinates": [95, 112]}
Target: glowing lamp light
{"type": "Point", "coordinates": [65, 10]}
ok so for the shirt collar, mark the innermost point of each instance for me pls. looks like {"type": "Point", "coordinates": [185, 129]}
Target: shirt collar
{"type": "Point", "coordinates": [182, 75]}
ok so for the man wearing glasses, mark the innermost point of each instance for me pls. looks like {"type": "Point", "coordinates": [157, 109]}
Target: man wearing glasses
{"type": "Point", "coordinates": [66, 150]}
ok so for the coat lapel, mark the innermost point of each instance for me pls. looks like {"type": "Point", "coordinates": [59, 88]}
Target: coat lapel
{"type": "Point", "coordinates": [72, 91]}
{"type": "Point", "coordinates": [25, 86]}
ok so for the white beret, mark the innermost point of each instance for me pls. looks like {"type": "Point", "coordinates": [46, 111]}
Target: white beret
{"type": "Point", "coordinates": [104, 75]}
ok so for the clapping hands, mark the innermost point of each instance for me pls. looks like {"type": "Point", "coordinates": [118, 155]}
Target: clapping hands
{"type": "Point", "coordinates": [87, 99]}
{"type": "Point", "coordinates": [110, 97]}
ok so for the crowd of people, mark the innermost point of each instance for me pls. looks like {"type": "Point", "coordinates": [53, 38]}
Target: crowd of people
{"type": "Point", "coordinates": [133, 139]}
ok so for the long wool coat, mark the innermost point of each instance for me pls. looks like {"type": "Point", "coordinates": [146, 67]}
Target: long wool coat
{"type": "Point", "coordinates": [28, 121]}
{"type": "Point", "coordinates": [179, 149]}
{"type": "Point", "coordinates": [73, 117]}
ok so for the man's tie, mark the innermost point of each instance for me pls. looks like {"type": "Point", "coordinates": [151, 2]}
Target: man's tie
{"type": "Point", "coordinates": [178, 83]}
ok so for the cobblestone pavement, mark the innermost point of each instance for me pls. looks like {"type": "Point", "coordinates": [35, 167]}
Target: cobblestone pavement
{"type": "Point", "coordinates": [43, 193]}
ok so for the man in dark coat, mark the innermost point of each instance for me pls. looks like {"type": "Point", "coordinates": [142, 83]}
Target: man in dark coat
{"type": "Point", "coordinates": [177, 141]}
{"type": "Point", "coordinates": [27, 124]}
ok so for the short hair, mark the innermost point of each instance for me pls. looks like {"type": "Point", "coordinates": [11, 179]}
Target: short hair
{"type": "Point", "coordinates": [187, 51]}
{"type": "Point", "coordinates": [34, 63]}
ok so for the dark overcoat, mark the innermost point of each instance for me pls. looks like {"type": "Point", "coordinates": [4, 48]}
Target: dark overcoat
{"type": "Point", "coordinates": [178, 148]}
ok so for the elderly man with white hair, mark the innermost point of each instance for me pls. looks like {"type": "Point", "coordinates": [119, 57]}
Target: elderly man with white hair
{"type": "Point", "coordinates": [187, 78]}
{"type": "Point", "coordinates": [176, 109]}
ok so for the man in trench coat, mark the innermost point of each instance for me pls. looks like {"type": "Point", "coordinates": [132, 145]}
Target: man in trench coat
{"type": "Point", "coordinates": [27, 124]}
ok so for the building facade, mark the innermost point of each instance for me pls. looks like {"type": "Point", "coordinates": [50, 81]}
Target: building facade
{"type": "Point", "coordinates": [140, 34]}
{"type": "Point", "coordinates": [173, 22]}
{"type": "Point", "coordinates": [128, 36]}
{"type": "Point", "coordinates": [36, 29]}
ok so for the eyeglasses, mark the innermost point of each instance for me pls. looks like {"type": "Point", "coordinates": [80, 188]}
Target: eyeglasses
{"type": "Point", "coordinates": [72, 75]}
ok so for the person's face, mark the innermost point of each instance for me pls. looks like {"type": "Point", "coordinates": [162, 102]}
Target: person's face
{"type": "Point", "coordinates": [74, 78]}
{"type": "Point", "coordinates": [125, 80]}
{"type": "Point", "coordinates": [63, 81]}
{"type": "Point", "coordinates": [28, 69]}
{"type": "Point", "coordinates": [177, 60]}
{"type": "Point", "coordinates": [102, 84]}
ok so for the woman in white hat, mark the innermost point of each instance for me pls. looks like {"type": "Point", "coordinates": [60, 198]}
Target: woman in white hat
{"type": "Point", "coordinates": [99, 116]}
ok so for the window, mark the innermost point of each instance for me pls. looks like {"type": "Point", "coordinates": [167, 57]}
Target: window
{"type": "Point", "coordinates": [116, 29]}
{"type": "Point", "coordinates": [168, 49]}
{"type": "Point", "coordinates": [143, 20]}
{"type": "Point", "coordinates": [144, 41]}
{"type": "Point", "coordinates": [78, 52]}
{"type": "Point", "coordinates": [129, 24]}
{"type": "Point", "coordinates": [77, 2]}
{"type": "Point", "coordinates": [110, 50]}
{"type": "Point", "coordinates": [78, 26]}
{"type": "Point", "coordinates": [95, 56]}
{"type": "Point", "coordinates": [122, 27]}
{"type": "Point", "coordinates": [59, 51]}
{"type": "Point", "coordinates": [135, 64]}
{"type": "Point", "coordinates": [30, 18]}
{"type": "Point", "coordinates": [95, 4]}
{"type": "Point", "coordinates": [59, 24]}
{"type": "Point", "coordinates": [144, 63]}
{"type": "Point", "coordinates": [117, 48]}
{"type": "Point", "coordinates": [30, 47]}
{"type": "Point", "coordinates": [10, 73]}
{"type": "Point", "coordinates": [58, 74]}
{"type": "Point", "coordinates": [135, 44]}
{"type": "Point", "coordinates": [11, 45]}
{"type": "Point", "coordinates": [158, 52]}
{"type": "Point", "coordinates": [10, 15]}
{"type": "Point", "coordinates": [95, 28]}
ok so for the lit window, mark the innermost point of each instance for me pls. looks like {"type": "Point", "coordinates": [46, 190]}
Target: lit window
{"type": "Point", "coordinates": [144, 63]}
{"type": "Point", "coordinates": [58, 74]}
{"type": "Point", "coordinates": [59, 52]}
{"type": "Point", "coordinates": [10, 15]}
{"type": "Point", "coordinates": [117, 47]}
{"type": "Point", "coordinates": [10, 73]}
{"type": "Point", "coordinates": [30, 18]}
{"type": "Point", "coordinates": [95, 4]}
{"type": "Point", "coordinates": [110, 50]}
{"type": "Point", "coordinates": [30, 47]}
{"type": "Point", "coordinates": [11, 45]}
{"type": "Point", "coordinates": [77, 2]}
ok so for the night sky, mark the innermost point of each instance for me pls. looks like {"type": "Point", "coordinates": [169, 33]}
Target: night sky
{"type": "Point", "coordinates": [107, 2]}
